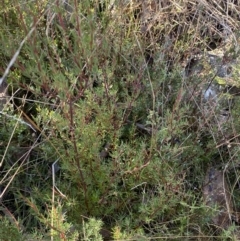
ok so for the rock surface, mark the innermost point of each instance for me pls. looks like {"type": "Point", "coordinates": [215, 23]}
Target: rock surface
{"type": "Point", "coordinates": [3, 94]}
{"type": "Point", "coordinates": [216, 194]}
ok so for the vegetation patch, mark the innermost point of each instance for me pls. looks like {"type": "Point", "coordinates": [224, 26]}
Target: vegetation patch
{"type": "Point", "coordinates": [119, 120]}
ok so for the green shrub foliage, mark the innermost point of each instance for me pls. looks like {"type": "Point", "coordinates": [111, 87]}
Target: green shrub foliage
{"type": "Point", "coordinates": [103, 136]}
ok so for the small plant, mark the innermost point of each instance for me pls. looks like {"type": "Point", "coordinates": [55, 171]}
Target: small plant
{"type": "Point", "coordinates": [91, 230]}
{"type": "Point", "coordinates": [8, 231]}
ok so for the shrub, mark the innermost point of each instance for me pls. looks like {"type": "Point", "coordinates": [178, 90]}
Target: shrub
{"type": "Point", "coordinates": [104, 136]}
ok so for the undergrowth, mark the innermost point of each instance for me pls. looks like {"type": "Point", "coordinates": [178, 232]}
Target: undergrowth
{"type": "Point", "coordinates": [104, 135]}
